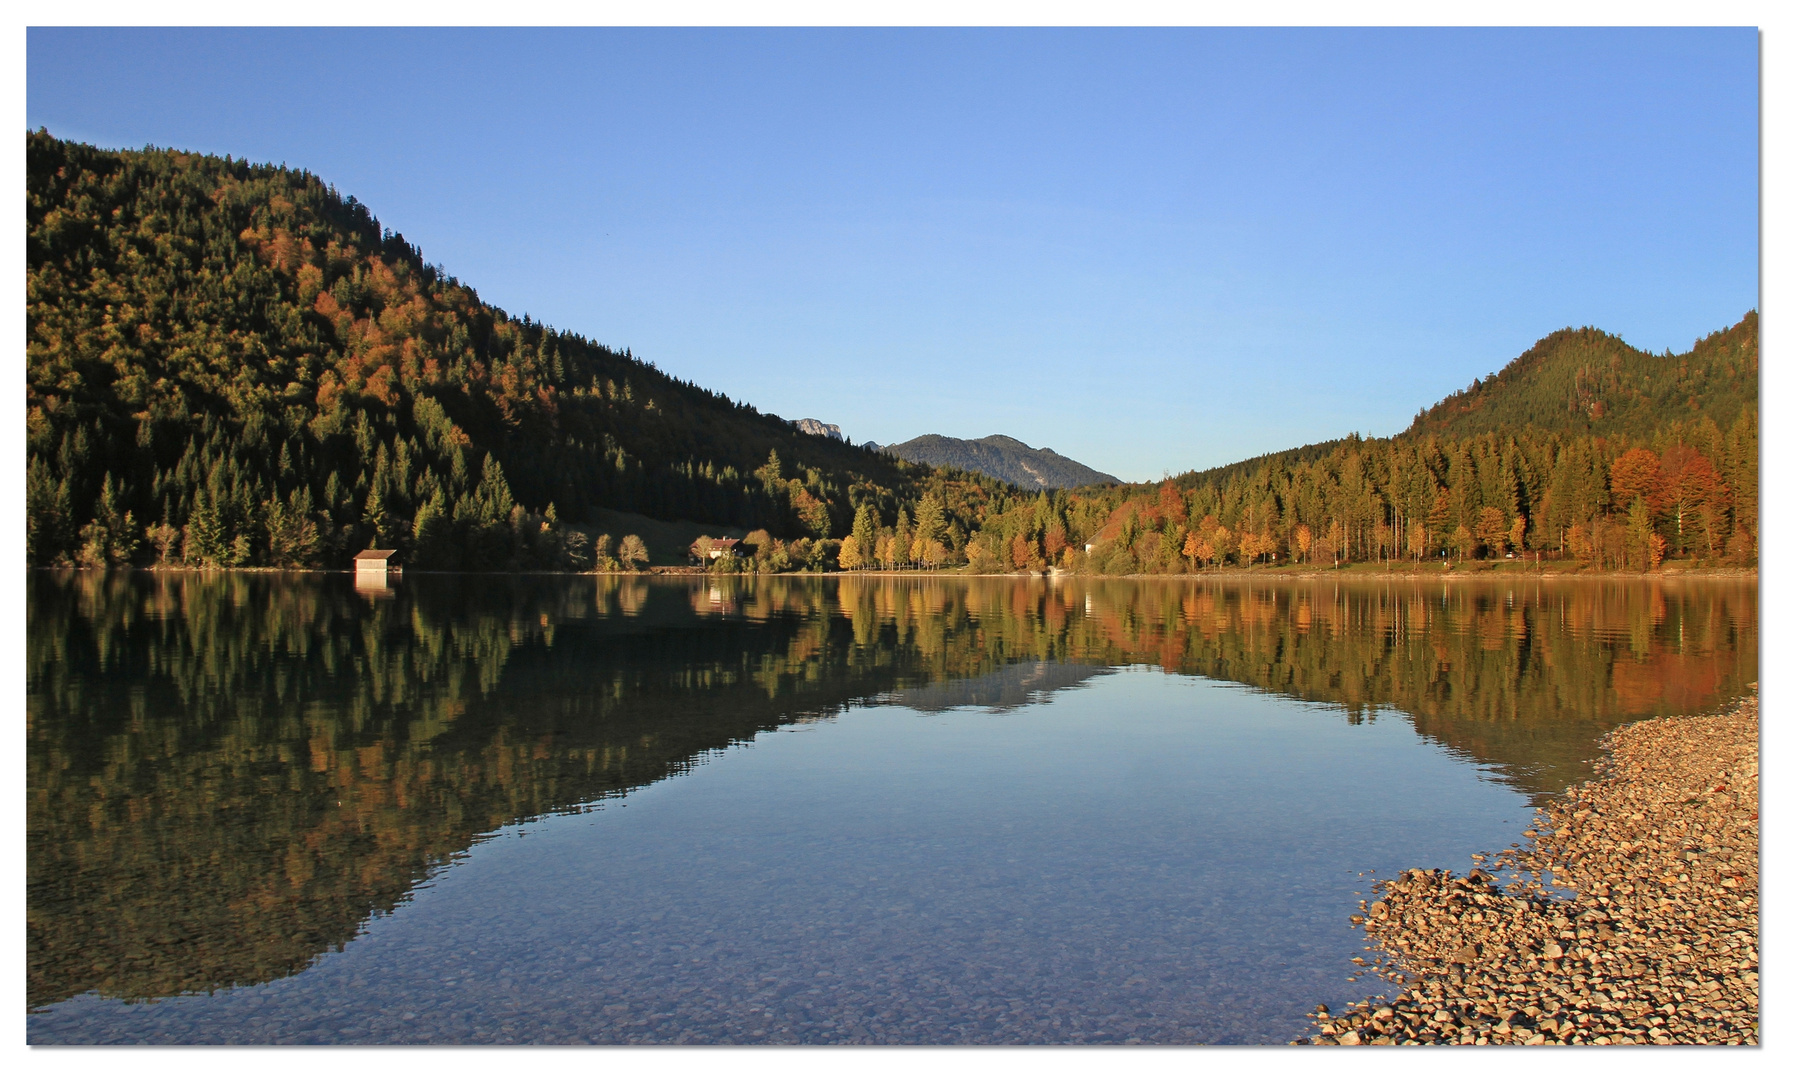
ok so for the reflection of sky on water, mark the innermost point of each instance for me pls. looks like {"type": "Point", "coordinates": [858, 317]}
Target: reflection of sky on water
{"type": "Point", "coordinates": [885, 809]}
{"type": "Point", "coordinates": [1144, 856]}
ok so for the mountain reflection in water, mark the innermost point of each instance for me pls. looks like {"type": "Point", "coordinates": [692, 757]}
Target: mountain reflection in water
{"type": "Point", "coordinates": [229, 774]}
{"type": "Point", "coordinates": [1020, 683]}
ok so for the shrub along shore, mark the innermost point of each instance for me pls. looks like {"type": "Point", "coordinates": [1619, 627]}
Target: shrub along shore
{"type": "Point", "coordinates": [1260, 574]}
{"type": "Point", "coordinates": [1657, 943]}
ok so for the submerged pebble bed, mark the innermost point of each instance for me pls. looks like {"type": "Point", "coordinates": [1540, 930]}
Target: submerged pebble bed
{"type": "Point", "coordinates": [1629, 916]}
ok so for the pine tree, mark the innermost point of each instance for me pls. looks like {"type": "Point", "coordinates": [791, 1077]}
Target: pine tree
{"type": "Point", "coordinates": [206, 543]}
{"type": "Point", "coordinates": [865, 532]}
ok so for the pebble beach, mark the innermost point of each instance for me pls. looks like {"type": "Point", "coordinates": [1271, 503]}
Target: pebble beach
{"type": "Point", "coordinates": [1628, 916]}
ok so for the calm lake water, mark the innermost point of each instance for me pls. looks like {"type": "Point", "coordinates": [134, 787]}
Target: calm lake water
{"type": "Point", "coordinates": [281, 808]}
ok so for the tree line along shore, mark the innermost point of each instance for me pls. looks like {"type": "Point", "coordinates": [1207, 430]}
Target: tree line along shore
{"type": "Point", "coordinates": [615, 566]}
{"type": "Point", "coordinates": [1635, 512]}
{"type": "Point", "coordinates": [1629, 916]}
{"type": "Point", "coordinates": [232, 364]}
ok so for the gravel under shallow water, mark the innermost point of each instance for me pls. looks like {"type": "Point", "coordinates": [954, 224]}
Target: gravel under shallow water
{"type": "Point", "coordinates": [1118, 864]}
{"type": "Point", "coordinates": [1630, 915]}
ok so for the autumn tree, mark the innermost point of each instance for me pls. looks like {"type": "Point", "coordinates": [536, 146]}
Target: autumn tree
{"type": "Point", "coordinates": [632, 552]}
{"type": "Point", "coordinates": [1694, 496]}
{"type": "Point", "coordinates": [163, 537]}
{"type": "Point", "coordinates": [1335, 539]}
{"type": "Point", "coordinates": [1491, 530]}
{"type": "Point", "coordinates": [602, 557]}
{"type": "Point", "coordinates": [1463, 541]}
{"type": "Point", "coordinates": [1223, 543]}
{"type": "Point", "coordinates": [1171, 506]}
{"type": "Point", "coordinates": [1637, 474]}
{"type": "Point", "coordinates": [849, 557]}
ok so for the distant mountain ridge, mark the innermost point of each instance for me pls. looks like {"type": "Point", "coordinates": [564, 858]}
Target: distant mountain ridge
{"type": "Point", "coordinates": [1003, 458]}
{"type": "Point", "coordinates": [811, 426]}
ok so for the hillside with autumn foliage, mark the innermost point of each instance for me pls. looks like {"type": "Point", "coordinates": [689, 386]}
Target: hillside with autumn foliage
{"type": "Point", "coordinates": [1586, 381]}
{"type": "Point", "coordinates": [1583, 451]}
{"type": "Point", "coordinates": [232, 364]}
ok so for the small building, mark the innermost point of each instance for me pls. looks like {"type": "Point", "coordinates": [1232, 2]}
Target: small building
{"type": "Point", "coordinates": [376, 561]}
{"type": "Point", "coordinates": [717, 548]}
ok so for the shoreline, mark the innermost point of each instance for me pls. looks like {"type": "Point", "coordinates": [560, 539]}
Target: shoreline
{"type": "Point", "coordinates": [1657, 944]}
{"type": "Point", "coordinates": [1355, 574]}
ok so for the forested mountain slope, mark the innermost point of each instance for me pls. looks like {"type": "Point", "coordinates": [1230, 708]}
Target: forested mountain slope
{"type": "Point", "coordinates": [234, 363]}
{"type": "Point", "coordinates": [1004, 458]}
{"type": "Point", "coordinates": [1583, 450]}
{"type": "Point", "coordinates": [1589, 382]}
{"type": "Point", "coordinates": [1574, 382]}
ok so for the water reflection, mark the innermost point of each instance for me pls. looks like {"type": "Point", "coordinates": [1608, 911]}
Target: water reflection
{"type": "Point", "coordinates": [1004, 690]}
{"type": "Point", "coordinates": [228, 774]}
{"type": "Point", "coordinates": [373, 583]}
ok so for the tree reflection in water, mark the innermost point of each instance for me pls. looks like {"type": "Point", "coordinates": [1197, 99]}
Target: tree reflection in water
{"type": "Point", "coordinates": [230, 773]}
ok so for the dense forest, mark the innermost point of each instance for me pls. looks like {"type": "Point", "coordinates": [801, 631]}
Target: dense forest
{"type": "Point", "coordinates": [233, 365]}
{"type": "Point", "coordinates": [1587, 382]}
{"type": "Point", "coordinates": [1620, 481]}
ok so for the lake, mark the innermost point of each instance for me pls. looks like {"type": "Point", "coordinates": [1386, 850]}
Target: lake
{"type": "Point", "coordinates": [292, 808]}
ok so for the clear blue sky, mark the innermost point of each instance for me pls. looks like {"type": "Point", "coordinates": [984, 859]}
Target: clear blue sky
{"type": "Point", "coordinates": [1150, 250]}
